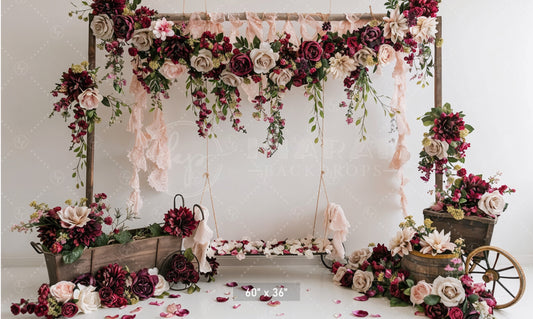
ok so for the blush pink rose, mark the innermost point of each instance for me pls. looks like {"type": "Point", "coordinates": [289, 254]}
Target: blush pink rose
{"type": "Point", "coordinates": [419, 292]}
{"type": "Point", "coordinates": [386, 54]}
{"type": "Point", "coordinates": [62, 291]}
{"type": "Point", "coordinates": [89, 99]}
{"type": "Point", "coordinates": [170, 70]}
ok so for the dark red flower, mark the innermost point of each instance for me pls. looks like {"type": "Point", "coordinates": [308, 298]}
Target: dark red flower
{"type": "Point", "coordinates": [347, 279]}
{"type": "Point", "coordinates": [87, 234]}
{"type": "Point", "coordinates": [177, 47]}
{"type": "Point", "coordinates": [43, 292]}
{"type": "Point", "coordinates": [75, 83]}
{"type": "Point", "coordinates": [455, 313]}
{"type": "Point", "coordinates": [461, 172]}
{"type": "Point", "coordinates": [30, 307]}
{"type": "Point", "coordinates": [112, 276]}
{"type": "Point", "coordinates": [15, 309]}
{"type": "Point", "coordinates": [56, 248]}
{"type": "Point", "coordinates": [69, 310]}
{"type": "Point", "coordinates": [108, 220]}
{"type": "Point", "coordinates": [107, 297]}
{"type": "Point", "coordinates": [438, 311]}
{"type": "Point", "coordinates": [143, 284]}
{"type": "Point", "coordinates": [448, 126]}
{"type": "Point", "coordinates": [241, 64]}
{"type": "Point", "coordinates": [124, 27]}
{"type": "Point", "coordinates": [41, 310]}
{"type": "Point", "coordinates": [85, 279]}
{"type": "Point", "coordinates": [311, 50]}
{"type": "Point", "coordinates": [380, 252]}
{"type": "Point", "coordinates": [110, 7]}
{"type": "Point", "coordinates": [372, 36]}
{"type": "Point", "coordinates": [329, 47]}
{"type": "Point", "coordinates": [335, 267]}
{"type": "Point", "coordinates": [180, 222]}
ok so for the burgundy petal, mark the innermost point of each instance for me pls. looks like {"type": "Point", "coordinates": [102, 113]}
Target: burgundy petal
{"type": "Point", "coordinates": [265, 298]}
{"type": "Point", "coordinates": [274, 303]}
{"type": "Point", "coordinates": [375, 316]}
{"type": "Point", "coordinates": [232, 284]}
{"type": "Point", "coordinates": [174, 296]}
{"type": "Point", "coordinates": [182, 312]}
{"type": "Point", "coordinates": [136, 310]}
{"type": "Point", "coordinates": [236, 306]}
{"type": "Point", "coordinates": [361, 298]}
{"type": "Point", "coordinates": [156, 303]}
{"type": "Point", "coordinates": [111, 317]}
{"type": "Point", "coordinates": [360, 313]}
{"type": "Point", "coordinates": [248, 287]}
{"type": "Point", "coordinates": [222, 299]}
{"type": "Point", "coordinates": [128, 317]}
{"type": "Point", "coordinates": [337, 301]}
{"type": "Point", "coordinates": [166, 315]}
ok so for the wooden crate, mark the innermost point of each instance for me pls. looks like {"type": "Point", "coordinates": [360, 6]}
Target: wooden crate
{"type": "Point", "coordinates": [476, 231]}
{"type": "Point", "coordinates": [136, 255]}
{"type": "Point", "coordinates": [426, 267]}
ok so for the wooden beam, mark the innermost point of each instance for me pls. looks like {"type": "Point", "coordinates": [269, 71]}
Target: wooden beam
{"type": "Point", "coordinates": [438, 91]}
{"type": "Point", "coordinates": [89, 168]}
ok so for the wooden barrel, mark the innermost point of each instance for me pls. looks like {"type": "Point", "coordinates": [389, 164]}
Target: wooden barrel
{"type": "Point", "coordinates": [426, 267]}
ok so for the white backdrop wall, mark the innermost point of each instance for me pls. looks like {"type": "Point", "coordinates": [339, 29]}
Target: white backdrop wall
{"type": "Point", "coordinates": [487, 74]}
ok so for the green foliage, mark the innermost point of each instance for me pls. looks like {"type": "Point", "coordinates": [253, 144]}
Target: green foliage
{"type": "Point", "coordinates": [123, 237]}
{"type": "Point", "coordinates": [71, 256]}
{"type": "Point", "coordinates": [431, 300]}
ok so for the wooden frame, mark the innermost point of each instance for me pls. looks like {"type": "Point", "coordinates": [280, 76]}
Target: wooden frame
{"type": "Point", "coordinates": [89, 180]}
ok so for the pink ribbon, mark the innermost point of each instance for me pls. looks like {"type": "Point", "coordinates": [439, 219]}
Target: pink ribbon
{"type": "Point", "coordinates": [214, 24]}
{"type": "Point", "coordinates": [270, 19]}
{"type": "Point", "coordinates": [196, 25]}
{"type": "Point", "coordinates": [350, 24]}
{"type": "Point", "coordinates": [335, 220]}
{"type": "Point", "coordinates": [305, 21]}
{"type": "Point", "coordinates": [401, 155]}
{"type": "Point", "coordinates": [255, 27]}
{"type": "Point", "coordinates": [289, 29]}
{"type": "Point", "coordinates": [158, 152]}
{"type": "Point", "coordinates": [235, 25]}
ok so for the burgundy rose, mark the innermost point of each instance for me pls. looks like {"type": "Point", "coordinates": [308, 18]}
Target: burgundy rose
{"type": "Point", "coordinates": [30, 307]}
{"type": "Point", "coordinates": [143, 284]}
{"type": "Point", "coordinates": [335, 267]}
{"type": "Point", "coordinates": [41, 310]}
{"type": "Point", "coordinates": [179, 263]}
{"type": "Point", "coordinates": [56, 248]}
{"type": "Point", "coordinates": [69, 310]}
{"type": "Point", "coordinates": [107, 297]}
{"type": "Point", "coordinates": [124, 27]}
{"type": "Point", "coordinates": [299, 79]}
{"type": "Point", "coordinates": [120, 302]}
{"type": "Point", "coordinates": [353, 45]}
{"type": "Point", "coordinates": [241, 64]}
{"type": "Point", "coordinates": [311, 50]}
{"type": "Point", "coordinates": [172, 276]}
{"type": "Point", "coordinates": [85, 279]}
{"type": "Point", "coordinates": [438, 311]}
{"type": "Point", "coordinates": [87, 234]}
{"type": "Point", "coordinates": [112, 276]}
{"type": "Point", "coordinates": [43, 292]}
{"type": "Point", "coordinates": [329, 47]}
{"type": "Point", "coordinates": [347, 279]}
{"type": "Point", "coordinates": [111, 7]}
{"type": "Point", "coordinates": [455, 313]}
{"type": "Point", "coordinates": [380, 252]}
{"type": "Point", "coordinates": [15, 309]}
{"type": "Point", "coordinates": [372, 36]}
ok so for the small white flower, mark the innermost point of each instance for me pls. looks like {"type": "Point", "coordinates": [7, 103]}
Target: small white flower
{"type": "Point", "coordinates": [162, 29]}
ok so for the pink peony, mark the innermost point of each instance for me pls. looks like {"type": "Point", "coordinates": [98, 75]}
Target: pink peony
{"type": "Point", "coordinates": [89, 99]}
{"type": "Point", "coordinates": [419, 292]}
{"type": "Point", "coordinates": [62, 291]}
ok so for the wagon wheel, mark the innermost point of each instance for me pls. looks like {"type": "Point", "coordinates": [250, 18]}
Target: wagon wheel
{"type": "Point", "coordinates": [493, 264]}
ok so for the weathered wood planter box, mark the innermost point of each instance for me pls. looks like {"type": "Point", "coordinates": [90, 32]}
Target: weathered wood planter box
{"type": "Point", "coordinates": [138, 254]}
{"type": "Point", "coordinates": [476, 231]}
{"type": "Point", "coordinates": [426, 267]}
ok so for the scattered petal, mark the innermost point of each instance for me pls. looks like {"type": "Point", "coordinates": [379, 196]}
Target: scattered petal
{"type": "Point", "coordinates": [308, 290]}
{"type": "Point", "coordinates": [236, 306]}
{"type": "Point", "coordinates": [208, 291]}
{"type": "Point", "coordinates": [248, 287]}
{"type": "Point", "coordinates": [375, 316]}
{"type": "Point", "coordinates": [337, 315]}
{"type": "Point", "coordinates": [265, 298]}
{"type": "Point", "coordinates": [361, 298]}
{"type": "Point", "coordinates": [166, 315]}
{"type": "Point", "coordinates": [222, 299]}
{"type": "Point", "coordinates": [232, 284]}
{"type": "Point", "coordinates": [420, 313]}
{"type": "Point", "coordinates": [182, 312]}
{"type": "Point", "coordinates": [172, 308]}
{"type": "Point", "coordinates": [360, 313]}
{"type": "Point", "coordinates": [111, 317]}
{"type": "Point", "coordinates": [280, 314]}
{"type": "Point", "coordinates": [137, 309]}
{"type": "Point", "coordinates": [156, 303]}
{"type": "Point", "coordinates": [337, 301]}
{"type": "Point", "coordinates": [227, 293]}
{"type": "Point", "coordinates": [127, 317]}
{"type": "Point", "coordinates": [174, 296]}
{"type": "Point", "coordinates": [274, 303]}
{"type": "Point", "coordinates": [122, 307]}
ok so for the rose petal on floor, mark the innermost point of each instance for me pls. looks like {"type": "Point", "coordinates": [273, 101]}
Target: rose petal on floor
{"type": "Point", "coordinates": [156, 303]}
{"type": "Point", "coordinates": [182, 312]}
{"type": "Point", "coordinates": [375, 316]}
{"type": "Point", "coordinates": [336, 301]}
{"type": "Point", "coordinates": [227, 293]}
{"type": "Point", "coordinates": [208, 291]}
{"type": "Point", "coordinates": [337, 315]}
{"type": "Point", "coordinates": [361, 298]}
{"type": "Point", "coordinates": [222, 299]}
{"type": "Point", "coordinates": [274, 303]}
{"type": "Point", "coordinates": [111, 317]}
{"type": "Point", "coordinates": [265, 298]}
{"type": "Point", "coordinates": [137, 309]}
{"type": "Point", "coordinates": [174, 296]}
{"type": "Point", "coordinates": [308, 290]}
{"type": "Point", "coordinates": [127, 317]}
{"type": "Point", "coordinates": [360, 313]}
{"type": "Point", "coordinates": [232, 284]}
{"type": "Point", "coordinates": [166, 315]}
{"type": "Point", "coordinates": [247, 287]}
{"type": "Point", "coordinates": [280, 314]}
{"type": "Point", "coordinates": [122, 307]}
{"type": "Point", "coordinates": [420, 313]}
{"type": "Point", "coordinates": [236, 306]}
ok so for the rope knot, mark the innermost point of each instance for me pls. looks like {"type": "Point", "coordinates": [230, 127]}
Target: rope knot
{"type": "Point", "coordinates": [206, 175]}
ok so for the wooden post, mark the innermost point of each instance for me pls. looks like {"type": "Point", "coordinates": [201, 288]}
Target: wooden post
{"type": "Point", "coordinates": [438, 91]}
{"type": "Point", "coordinates": [89, 167]}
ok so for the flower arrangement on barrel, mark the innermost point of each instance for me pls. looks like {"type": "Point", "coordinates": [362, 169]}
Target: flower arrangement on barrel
{"type": "Point", "coordinates": [379, 272]}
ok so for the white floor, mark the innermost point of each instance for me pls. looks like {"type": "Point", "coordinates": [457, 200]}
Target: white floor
{"type": "Point", "coordinates": [317, 294]}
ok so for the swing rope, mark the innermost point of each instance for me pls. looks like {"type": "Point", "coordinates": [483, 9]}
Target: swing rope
{"type": "Point", "coordinates": [207, 185]}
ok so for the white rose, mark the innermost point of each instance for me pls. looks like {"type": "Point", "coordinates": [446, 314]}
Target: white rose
{"type": "Point", "coordinates": [386, 54]}
{"type": "Point", "coordinates": [90, 98]}
{"type": "Point", "coordinates": [365, 56]}
{"type": "Point", "coordinates": [425, 29]}
{"type": "Point", "coordinates": [162, 286]}
{"type": "Point", "coordinates": [102, 27]}
{"type": "Point", "coordinates": [281, 78]}
{"type": "Point", "coordinates": [338, 275]}
{"type": "Point", "coordinates": [142, 39]}
{"type": "Point", "coordinates": [358, 257]}
{"type": "Point", "coordinates": [170, 70]}
{"type": "Point", "coordinates": [437, 148]}
{"type": "Point", "coordinates": [88, 298]}
{"type": "Point", "coordinates": [362, 281]}
{"type": "Point", "coordinates": [230, 79]}
{"type": "Point", "coordinates": [62, 291]}
{"type": "Point", "coordinates": [263, 58]}
{"type": "Point", "coordinates": [449, 289]}
{"type": "Point", "coordinates": [74, 216]}
{"type": "Point", "coordinates": [203, 62]}
{"type": "Point", "coordinates": [492, 203]}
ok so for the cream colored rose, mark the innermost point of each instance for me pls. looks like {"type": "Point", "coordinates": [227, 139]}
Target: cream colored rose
{"type": "Point", "coordinates": [362, 281]}
{"type": "Point", "coordinates": [102, 27]}
{"type": "Point", "coordinates": [437, 148]}
{"type": "Point", "coordinates": [358, 257]}
{"type": "Point", "coordinates": [449, 289]}
{"type": "Point", "coordinates": [365, 56]}
{"type": "Point", "coordinates": [492, 203]}
{"type": "Point", "coordinates": [420, 291]}
{"type": "Point", "coordinates": [63, 291]}
{"type": "Point", "coordinates": [386, 54]}
{"type": "Point", "coordinates": [395, 26]}
{"type": "Point", "coordinates": [142, 39]}
{"type": "Point", "coordinates": [88, 298]}
{"type": "Point", "coordinates": [162, 286]}
{"type": "Point", "coordinates": [170, 70]}
{"type": "Point", "coordinates": [425, 29]}
{"type": "Point", "coordinates": [74, 216]}
{"type": "Point", "coordinates": [90, 98]}
{"type": "Point", "coordinates": [229, 78]}
{"type": "Point", "coordinates": [282, 78]}
{"type": "Point", "coordinates": [338, 275]}
{"type": "Point", "coordinates": [203, 62]}
{"type": "Point", "coordinates": [263, 58]}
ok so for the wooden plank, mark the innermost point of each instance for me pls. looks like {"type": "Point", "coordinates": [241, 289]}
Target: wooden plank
{"type": "Point", "coordinates": [89, 168]}
{"type": "Point", "coordinates": [438, 91]}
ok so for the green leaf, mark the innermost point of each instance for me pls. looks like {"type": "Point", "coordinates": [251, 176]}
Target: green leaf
{"type": "Point", "coordinates": [313, 128]}
{"type": "Point", "coordinates": [101, 240]}
{"type": "Point", "coordinates": [311, 120]}
{"type": "Point", "coordinates": [473, 298]}
{"type": "Point", "coordinates": [219, 37]}
{"type": "Point", "coordinates": [105, 101]}
{"type": "Point", "coordinates": [123, 237]}
{"type": "Point", "coordinates": [71, 256]}
{"type": "Point", "coordinates": [316, 140]}
{"type": "Point", "coordinates": [469, 128]}
{"type": "Point", "coordinates": [407, 292]}
{"type": "Point", "coordinates": [410, 282]}
{"type": "Point", "coordinates": [397, 302]}
{"type": "Point", "coordinates": [431, 300]}
{"type": "Point", "coordinates": [155, 230]}
{"type": "Point", "coordinates": [188, 254]}
{"type": "Point", "coordinates": [256, 42]}
{"type": "Point", "coordinates": [191, 289]}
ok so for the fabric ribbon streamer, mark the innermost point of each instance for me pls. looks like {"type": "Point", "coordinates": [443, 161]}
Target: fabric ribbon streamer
{"type": "Point", "coordinates": [254, 28]}
{"type": "Point", "coordinates": [200, 238]}
{"type": "Point", "coordinates": [158, 152]}
{"type": "Point", "coordinates": [236, 23]}
{"type": "Point", "coordinates": [270, 19]}
{"type": "Point", "coordinates": [401, 155]}
{"type": "Point", "coordinates": [335, 220]}
{"type": "Point", "coordinates": [214, 24]}
{"type": "Point", "coordinates": [346, 25]}
{"type": "Point", "coordinates": [196, 25]}
{"type": "Point", "coordinates": [289, 29]}
{"type": "Point", "coordinates": [305, 21]}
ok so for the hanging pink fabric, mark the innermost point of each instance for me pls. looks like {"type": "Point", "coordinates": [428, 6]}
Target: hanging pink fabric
{"type": "Point", "coordinates": [200, 239]}
{"type": "Point", "coordinates": [335, 220]}
{"type": "Point", "coordinates": [158, 152]}
{"type": "Point", "coordinates": [214, 24]}
{"type": "Point", "coordinates": [401, 155]}
{"type": "Point", "coordinates": [289, 29]}
{"type": "Point", "coordinates": [270, 19]}
{"type": "Point", "coordinates": [251, 89]}
{"type": "Point", "coordinates": [196, 25]}
{"type": "Point", "coordinates": [306, 21]}
{"type": "Point", "coordinates": [350, 24]}
{"type": "Point", "coordinates": [255, 27]}
{"type": "Point", "coordinates": [236, 23]}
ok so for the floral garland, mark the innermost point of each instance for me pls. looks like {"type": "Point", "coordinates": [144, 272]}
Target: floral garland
{"type": "Point", "coordinates": [161, 51]}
